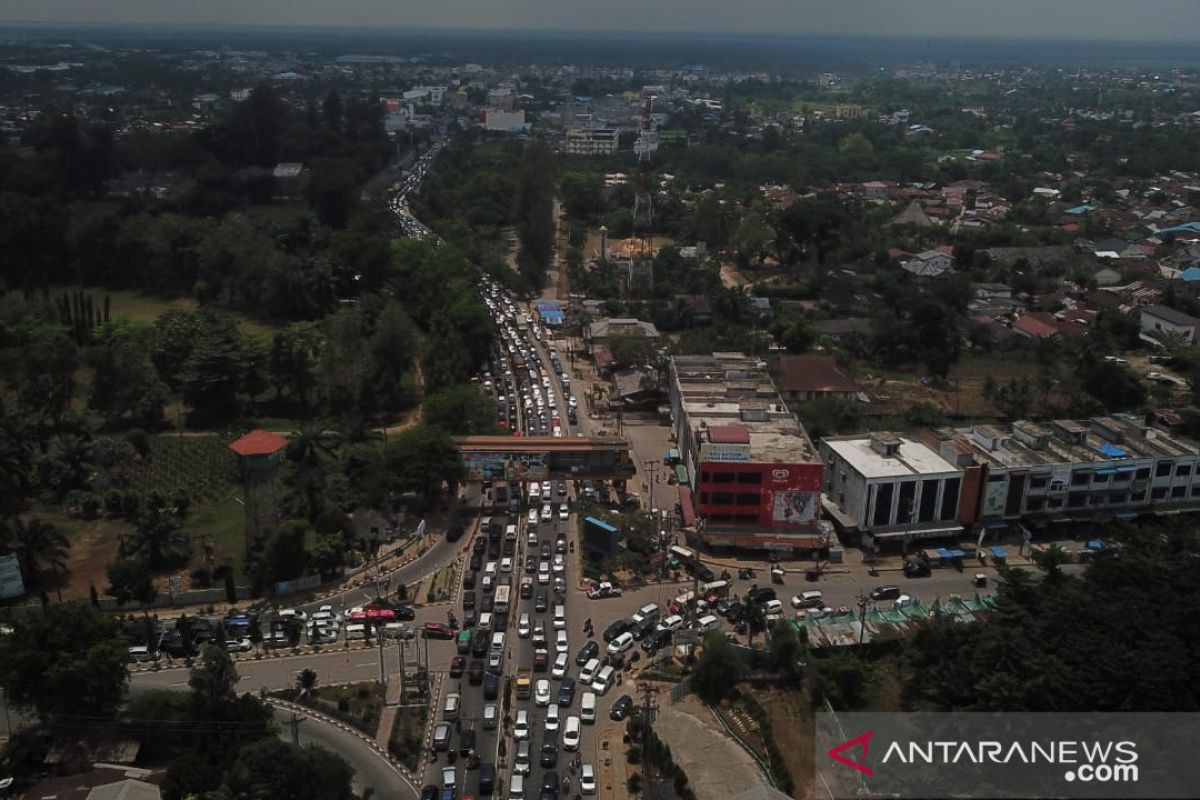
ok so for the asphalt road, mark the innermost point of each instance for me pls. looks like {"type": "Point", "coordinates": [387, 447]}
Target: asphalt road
{"type": "Point", "coordinates": [370, 770]}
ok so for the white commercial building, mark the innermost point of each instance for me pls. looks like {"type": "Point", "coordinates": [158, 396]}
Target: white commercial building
{"type": "Point", "coordinates": [890, 486]}
{"type": "Point", "coordinates": [591, 141]}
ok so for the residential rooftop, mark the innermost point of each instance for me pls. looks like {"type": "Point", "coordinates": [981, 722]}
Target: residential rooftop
{"type": "Point", "coordinates": [887, 455]}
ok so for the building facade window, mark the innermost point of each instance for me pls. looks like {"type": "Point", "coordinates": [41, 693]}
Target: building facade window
{"type": "Point", "coordinates": [749, 477]}
{"type": "Point", "coordinates": [1163, 470]}
{"type": "Point", "coordinates": [950, 499]}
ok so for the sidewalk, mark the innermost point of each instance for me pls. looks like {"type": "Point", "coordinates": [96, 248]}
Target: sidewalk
{"type": "Point", "coordinates": [716, 766]}
{"type": "Point", "coordinates": [387, 719]}
{"type": "Point", "coordinates": [610, 765]}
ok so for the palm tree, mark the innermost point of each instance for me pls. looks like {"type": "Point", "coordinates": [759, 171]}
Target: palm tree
{"type": "Point", "coordinates": [76, 453]}
{"type": "Point", "coordinates": [37, 545]}
{"type": "Point", "coordinates": [306, 681]}
{"type": "Point", "coordinates": [158, 538]}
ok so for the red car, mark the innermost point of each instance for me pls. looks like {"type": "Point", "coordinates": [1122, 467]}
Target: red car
{"type": "Point", "coordinates": [437, 630]}
{"type": "Point", "coordinates": [457, 665]}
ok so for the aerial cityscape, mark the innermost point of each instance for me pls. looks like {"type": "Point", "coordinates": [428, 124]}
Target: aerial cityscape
{"type": "Point", "coordinates": [564, 402]}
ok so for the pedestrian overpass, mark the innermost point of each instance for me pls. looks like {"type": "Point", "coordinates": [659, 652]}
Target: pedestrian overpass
{"type": "Point", "coordinates": [539, 458]}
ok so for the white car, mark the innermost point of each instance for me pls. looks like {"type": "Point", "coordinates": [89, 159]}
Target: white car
{"type": "Point", "coordinates": [588, 673]}
{"type": "Point", "coordinates": [587, 779]}
{"type": "Point", "coordinates": [531, 540]}
{"type": "Point", "coordinates": [620, 644]}
{"type": "Point", "coordinates": [242, 645]}
{"type": "Point", "coordinates": [521, 727]}
{"type": "Point", "coordinates": [544, 573]}
{"type": "Point", "coordinates": [523, 627]}
{"type": "Point", "coordinates": [563, 513]}
{"type": "Point", "coordinates": [571, 733]}
{"type": "Point", "coordinates": [533, 516]}
{"type": "Point", "coordinates": [560, 666]}
{"type": "Point", "coordinates": [506, 564]}
{"type": "Point", "coordinates": [552, 719]}
{"type": "Point", "coordinates": [560, 563]}
{"type": "Point", "coordinates": [541, 693]}
{"type": "Point", "coordinates": [560, 642]}
{"type": "Point", "coordinates": [671, 623]}
{"type": "Point", "coordinates": [547, 513]}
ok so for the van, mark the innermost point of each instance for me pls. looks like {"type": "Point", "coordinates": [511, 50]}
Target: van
{"type": "Point", "coordinates": [522, 762]}
{"type": "Point", "coordinates": [560, 617]}
{"type": "Point", "coordinates": [773, 607]}
{"type": "Point", "coordinates": [485, 621]}
{"type": "Point", "coordinates": [648, 611]}
{"type": "Point", "coordinates": [587, 707]}
{"type": "Point", "coordinates": [450, 710]}
{"type": "Point", "coordinates": [490, 717]}
{"type": "Point", "coordinates": [708, 623]}
{"type": "Point", "coordinates": [489, 583]}
{"type": "Point", "coordinates": [571, 734]}
{"type": "Point", "coordinates": [498, 642]}
{"type": "Point", "coordinates": [356, 632]}
{"type": "Point", "coordinates": [620, 644]}
{"type": "Point", "coordinates": [490, 569]}
{"type": "Point", "coordinates": [535, 491]}
{"type": "Point", "coordinates": [603, 681]}
{"type": "Point", "coordinates": [510, 533]}
{"type": "Point", "coordinates": [516, 787]}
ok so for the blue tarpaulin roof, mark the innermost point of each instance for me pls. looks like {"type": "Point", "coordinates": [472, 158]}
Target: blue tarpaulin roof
{"type": "Point", "coordinates": [958, 554]}
{"type": "Point", "coordinates": [1190, 274]}
{"type": "Point", "coordinates": [601, 524]}
{"type": "Point", "coordinates": [999, 552]}
{"type": "Point", "coordinates": [1112, 451]}
{"type": "Point", "coordinates": [1187, 227]}
{"type": "Point", "coordinates": [1096, 544]}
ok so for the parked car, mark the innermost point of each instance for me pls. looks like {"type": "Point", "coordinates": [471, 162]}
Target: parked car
{"type": "Point", "coordinates": [621, 708]}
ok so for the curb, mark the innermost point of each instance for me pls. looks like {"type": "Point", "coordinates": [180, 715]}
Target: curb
{"type": "Point", "coordinates": [268, 655]}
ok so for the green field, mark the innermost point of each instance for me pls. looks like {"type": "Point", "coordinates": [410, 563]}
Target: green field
{"type": "Point", "coordinates": [147, 308]}
{"type": "Point", "coordinates": [224, 523]}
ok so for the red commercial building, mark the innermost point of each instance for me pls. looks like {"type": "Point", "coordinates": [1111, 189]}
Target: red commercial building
{"type": "Point", "coordinates": [753, 476]}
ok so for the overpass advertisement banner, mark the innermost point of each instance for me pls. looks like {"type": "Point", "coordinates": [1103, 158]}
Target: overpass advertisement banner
{"type": "Point", "coordinates": [502, 466]}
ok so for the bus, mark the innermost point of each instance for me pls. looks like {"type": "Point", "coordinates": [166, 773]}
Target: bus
{"type": "Point", "coordinates": [501, 601]}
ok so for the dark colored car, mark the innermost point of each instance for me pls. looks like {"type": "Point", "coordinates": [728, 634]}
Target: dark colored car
{"type": "Point", "coordinates": [487, 778]}
{"type": "Point", "coordinates": [566, 692]}
{"type": "Point", "coordinates": [549, 757]}
{"type": "Point", "coordinates": [487, 603]}
{"type": "Point", "coordinates": [470, 618]}
{"type": "Point", "coordinates": [457, 665]}
{"type": "Point", "coordinates": [437, 630]}
{"type": "Point", "coordinates": [550, 779]}
{"type": "Point", "coordinates": [469, 579]}
{"type": "Point", "coordinates": [723, 605]}
{"type": "Point", "coordinates": [616, 629]}
{"type": "Point", "coordinates": [531, 563]}
{"type": "Point", "coordinates": [405, 613]}
{"type": "Point", "coordinates": [916, 569]}
{"type": "Point", "coordinates": [479, 545]}
{"type": "Point", "coordinates": [735, 612]}
{"type": "Point", "coordinates": [541, 601]}
{"type": "Point", "coordinates": [656, 641]}
{"type": "Point", "coordinates": [761, 595]}
{"type": "Point", "coordinates": [491, 686]}
{"type": "Point", "coordinates": [476, 561]}
{"type": "Point", "coordinates": [431, 792]}
{"type": "Point", "coordinates": [621, 708]}
{"type": "Point", "coordinates": [641, 630]}
{"type": "Point", "coordinates": [479, 644]}
{"type": "Point", "coordinates": [468, 599]}
{"type": "Point", "coordinates": [475, 672]}
{"type": "Point", "coordinates": [587, 653]}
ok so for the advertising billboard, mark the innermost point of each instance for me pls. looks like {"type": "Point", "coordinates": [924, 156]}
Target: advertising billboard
{"type": "Point", "coordinates": [993, 501]}
{"type": "Point", "coordinates": [792, 494]}
{"type": "Point", "coordinates": [501, 466]}
{"type": "Point", "coordinates": [11, 584]}
{"type": "Point", "coordinates": [727, 453]}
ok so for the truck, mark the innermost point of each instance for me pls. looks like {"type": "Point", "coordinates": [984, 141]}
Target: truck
{"type": "Point", "coordinates": [524, 684]}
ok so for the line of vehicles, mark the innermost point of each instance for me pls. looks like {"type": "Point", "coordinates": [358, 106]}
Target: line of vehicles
{"type": "Point", "coordinates": [408, 183]}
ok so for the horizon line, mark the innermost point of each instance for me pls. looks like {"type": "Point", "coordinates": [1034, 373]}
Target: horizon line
{"type": "Point", "coordinates": [334, 27]}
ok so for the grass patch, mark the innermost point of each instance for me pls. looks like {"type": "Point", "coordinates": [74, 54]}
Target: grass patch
{"type": "Point", "coordinates": [93, 548]}
{"type": "Point", "coordinates": [359, 703]}
{"type": "Point", "coordinates": [442, 585]}
{"type": "Point", "coordinates": [147, 308]}
{"type": "Point", "coordinates": [224, 521]}
{"type": "Point", "coordinates": [791, 728]}
{"type": "Point", "coordinates": [406, 741]}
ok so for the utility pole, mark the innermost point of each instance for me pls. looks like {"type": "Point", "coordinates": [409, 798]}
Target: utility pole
{"type": "Point", "coordinates": [864, 600]}
{"type": "Point", "coordinates": [652, 469]}
{"type": "Point", "coordinates": [294, 724]}
{"type": "Point", "coordinates": [649, 693]}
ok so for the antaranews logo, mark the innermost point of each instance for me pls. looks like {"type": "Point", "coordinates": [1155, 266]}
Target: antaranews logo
{"type": "Point", "coordinates": [861, 741]}
{"type": "Point", "coordinates": [955, 755]}
{"type": "Point", "coordinates": [1087, 761]}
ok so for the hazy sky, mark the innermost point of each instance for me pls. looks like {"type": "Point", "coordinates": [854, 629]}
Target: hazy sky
{"type": "Point", "coordinates": [1056, 19]}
